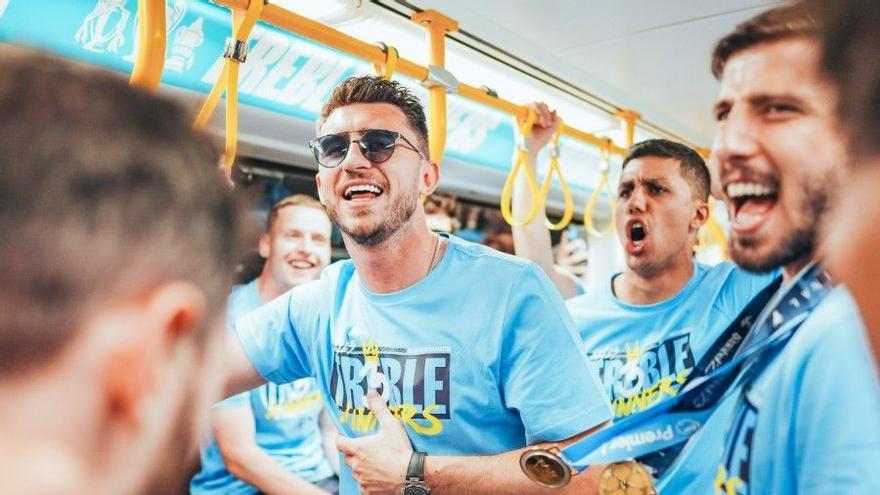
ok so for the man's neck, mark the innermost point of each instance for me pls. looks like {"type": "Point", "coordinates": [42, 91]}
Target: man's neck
{"type": "Point", "coordinates": [398, 262]}
{"type": "Point", "coordinates": [791, 270]}
{"type": "Point", "coordinates": [638, 289]}
{"type": "Point", "coordinates": [267, 288]}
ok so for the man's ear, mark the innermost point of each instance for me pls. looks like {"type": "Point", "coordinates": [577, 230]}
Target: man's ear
{"type": "Point", "coordinates": [151, 330]}
{"type": "Point", "coordinates": [701, 216]}
{"type": "Point", "coordinates": [263, 247]}
{"type": "Point", "coordinates": [430, 177]}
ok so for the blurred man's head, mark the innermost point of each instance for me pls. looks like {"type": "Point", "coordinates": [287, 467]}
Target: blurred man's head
{"type": "Point", "coordinates": [296, 243]}
{"type": "Point", "coordinates": [851, 38]}
{"type": "Point", "coordinates": [778, 148]}
{"type": "Point", "coordinates": [661, 205]}
{"type": "Point", "coordinates": [117, 244]}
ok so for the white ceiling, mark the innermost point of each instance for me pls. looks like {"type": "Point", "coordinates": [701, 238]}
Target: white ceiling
{"type": "Point", "coordinates": [648, 55]}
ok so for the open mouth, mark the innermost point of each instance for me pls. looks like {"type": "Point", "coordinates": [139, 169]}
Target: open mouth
{"type": "Point", "coordinates": [636, 233]}
{"type": "Point", "coordinates": [750, 203]}
{"type": "Point", "coordinates": [361, 192]}
{"type": "Point", "coordinates": [302, 264]}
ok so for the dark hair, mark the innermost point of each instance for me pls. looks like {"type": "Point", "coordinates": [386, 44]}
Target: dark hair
{"type": "Point", "coordinates": [691, 165]}
{"type": "Point", "coordinates": [371, 89]}
{"type": "Point", "coordinates": [106, 192]}
{"type": "Point", "coordinates": [303, 200]}
{"type": "Point", "coordinates": [789, 21]}
{"type": "Point", "coordinates": [850, 39]}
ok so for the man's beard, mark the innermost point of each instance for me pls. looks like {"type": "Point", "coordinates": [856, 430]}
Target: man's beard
{"type": "Point", "coordinates": [372, 235]}
{"type": "Point", "coordinates": [800, 242]}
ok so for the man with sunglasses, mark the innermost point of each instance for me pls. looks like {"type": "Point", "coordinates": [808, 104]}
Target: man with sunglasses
{"type": "Point", "coordinates": [421, 343]}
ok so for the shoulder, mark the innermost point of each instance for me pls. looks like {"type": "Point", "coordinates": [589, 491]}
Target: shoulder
{"type": "Point", "coordinates": [479, 259]}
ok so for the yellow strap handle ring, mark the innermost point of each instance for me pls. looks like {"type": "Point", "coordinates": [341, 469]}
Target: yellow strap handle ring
{"type": "Point", "coordinates": [235, 54]}
{"type": "Point", "coordinates": [605, 152]}
{"type": "Point", "coordinates": [521, 163]}
{"type": "Point", "coordinates": [566, 192]}
{"type": "Point", "coordinates": [386, 70]}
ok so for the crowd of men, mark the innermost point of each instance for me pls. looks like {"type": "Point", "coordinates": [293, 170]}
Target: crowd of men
{"type": "Point", "coordinates": [440, 365]}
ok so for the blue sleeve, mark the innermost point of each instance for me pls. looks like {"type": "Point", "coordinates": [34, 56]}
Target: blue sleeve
{"type": "Point", "coordinates": [837, 411]}
{"type": "Point", "coordinates": [277, 349]}
{"type": "Point", "coordinates": [544, 374]}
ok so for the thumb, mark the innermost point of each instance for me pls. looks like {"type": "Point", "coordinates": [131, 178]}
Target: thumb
{"type": "Point", "coordinates": [345, 445]}
{"type": "Point", "coordinates": [380, 408]}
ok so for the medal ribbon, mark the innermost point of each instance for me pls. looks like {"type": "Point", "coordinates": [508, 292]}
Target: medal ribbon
{"type": "Point", "coordinates": [667, 426]}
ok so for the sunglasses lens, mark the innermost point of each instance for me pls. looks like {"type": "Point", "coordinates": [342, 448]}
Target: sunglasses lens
{"type": "Point", "coordinates": [330, 150]}
{"type": "Point", "coordinates": [377, 145]}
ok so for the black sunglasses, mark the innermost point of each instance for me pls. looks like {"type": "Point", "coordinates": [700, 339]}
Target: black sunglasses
{"type": "Point", "coordinates": [377, 146]}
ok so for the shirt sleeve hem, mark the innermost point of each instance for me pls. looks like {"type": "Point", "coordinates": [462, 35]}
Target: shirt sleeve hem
{"type": "Point", "coordinates": [568, 428]}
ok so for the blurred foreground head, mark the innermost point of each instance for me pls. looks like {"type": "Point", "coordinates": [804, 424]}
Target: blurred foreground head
{"type": "Point", "coordinates": [116, 247]}
{"type": "Point", "coordinates": [850, 41]}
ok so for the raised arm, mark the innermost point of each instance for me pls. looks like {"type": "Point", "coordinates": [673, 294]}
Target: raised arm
{"type": "Point", "coordinates": [532, 241]}
{"type": "Point", "coordinates": [241, 375]}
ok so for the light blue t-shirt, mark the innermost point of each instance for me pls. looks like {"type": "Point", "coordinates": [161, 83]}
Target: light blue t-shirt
{"type": "Point", "coordinates": [644, 353]}
{"type": "Point", "coordinates": [478, 358]}
{"type": "Point", "coordinates": [810, 422]}
{"type": "Point", "coordinates": [286, 421]}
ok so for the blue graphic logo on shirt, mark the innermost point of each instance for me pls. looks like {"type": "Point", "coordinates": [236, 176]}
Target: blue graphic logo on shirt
{"type": "Point", "coordinates": [638, 378]}
{"type": "Point", "coordinates": [733, 475]}
{"type": "Point", "coordinates": [415, 382]}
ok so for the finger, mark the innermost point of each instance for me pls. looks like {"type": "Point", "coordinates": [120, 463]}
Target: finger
{"type": "Point", "coordinates": [346, 445]}
{"type": "Point", "coordinates": [380, 408]}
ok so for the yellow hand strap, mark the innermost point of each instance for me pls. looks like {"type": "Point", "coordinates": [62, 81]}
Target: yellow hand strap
{"type": "Point", "coordinates": [521, 162]}
{"type": "Point", "coordinates": [545, 186]}
{"type": "Point", "coordinates": [236, 53]}
{"type": "Point", "coordinates": [605, 152]}
{"type": "Point", "coordinates": [386, 70]}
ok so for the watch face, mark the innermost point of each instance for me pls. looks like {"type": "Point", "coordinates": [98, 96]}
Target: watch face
{"type": "Point", "coordinates": [415, 488]}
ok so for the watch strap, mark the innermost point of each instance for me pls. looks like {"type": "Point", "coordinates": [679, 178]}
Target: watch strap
{"type": "Point", "coordinates": [416, 469]}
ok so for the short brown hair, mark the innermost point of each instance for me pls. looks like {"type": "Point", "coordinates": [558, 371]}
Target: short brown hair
{"type": "Point", "coordinates": [303, 200]}
{"type": "Point", "coordinates": [691, 165]}
{"type": "Point", "coordinates": [372, 89]}
{"type": "Point", "coordinates": [850, 39]}
{"type": "Point", "coordinates": [789, 21]}
{"type": "Point", "coordinates": [106, 192]}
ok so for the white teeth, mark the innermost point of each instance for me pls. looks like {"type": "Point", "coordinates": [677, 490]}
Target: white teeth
{"type": "Point", "coordinates": [301, 264]}
{"type": "Point", "coordinates": [362, 188]}
{"type": "Point", "coordinates": [740, 189]}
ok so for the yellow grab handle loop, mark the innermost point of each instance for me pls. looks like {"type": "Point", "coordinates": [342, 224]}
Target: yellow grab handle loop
{"type": "Point", "coordinates": [712, 233]}
{"type": "Point", "coordinates": [386, 70]}
{"type": "Point", "coordinates": [605, 152]}
{"type": "Point", "coordinates": [236, 53]}
{"type": "Point", "coordinates": [521, 162]}
{"type": "Point", "coordinates": [151, 33]}
{"type": "Point", "coordinates": [545, 186]}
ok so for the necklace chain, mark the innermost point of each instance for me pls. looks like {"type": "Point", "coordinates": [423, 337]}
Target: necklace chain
{"type": "Point", "coordinates": [434, 254]}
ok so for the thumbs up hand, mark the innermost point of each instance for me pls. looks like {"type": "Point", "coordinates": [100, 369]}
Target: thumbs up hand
{"type": "Point", "coordinates": [379, 461]}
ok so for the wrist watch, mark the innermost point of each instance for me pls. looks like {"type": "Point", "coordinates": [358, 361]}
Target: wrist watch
{"type": "Point", "coordinates": [415, 476]}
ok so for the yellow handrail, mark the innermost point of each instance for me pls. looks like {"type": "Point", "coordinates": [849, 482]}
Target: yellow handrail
{"type": "Point", "coordinates": [604, 166]}
{"type": "Point", "coordinates": [147, 71]}
{"type": "Point", "coordinates": [566, 192]}
{"type": "Point", "coordinates": [236, 51]}
{"type": "Point", "coordinates": [436, 26]}
{"type": "Point", "coordinates": [521, 163]}
{"type": "Point", "coordinates": [325, 35]}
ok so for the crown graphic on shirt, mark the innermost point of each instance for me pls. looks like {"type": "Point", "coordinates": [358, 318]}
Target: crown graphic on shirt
{"type": "Point", "coordinates": [634, 353]}
{"type": "Point", "coordinates": [370, 351]}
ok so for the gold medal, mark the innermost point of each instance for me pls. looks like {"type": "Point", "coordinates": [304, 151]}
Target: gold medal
{"type": "Point", "coordinates": [626, 478]}
{"type": "Point", "coordinates": [545, 468]}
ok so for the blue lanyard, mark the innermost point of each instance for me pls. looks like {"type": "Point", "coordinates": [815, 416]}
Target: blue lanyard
{"type": "Point", "coordinates": [665, 428]}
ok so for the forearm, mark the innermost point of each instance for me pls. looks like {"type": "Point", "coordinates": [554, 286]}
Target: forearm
{"type": "Point", "coordinates": [532, 241]}
{"type": "Point", "coordinates": [257, 468]}
{"type": "Point", "coordinates": [241, 375]}
{"type": "Point", "coordinates": [497, 474]}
